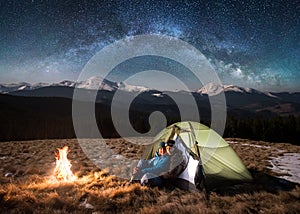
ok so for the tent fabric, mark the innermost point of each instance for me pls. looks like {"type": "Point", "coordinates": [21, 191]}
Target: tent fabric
{"type": "Point", "coordinates": [203, 149]}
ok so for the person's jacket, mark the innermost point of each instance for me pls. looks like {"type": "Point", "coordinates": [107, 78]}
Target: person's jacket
{"type": "Point", "coordinates": [158, 165]}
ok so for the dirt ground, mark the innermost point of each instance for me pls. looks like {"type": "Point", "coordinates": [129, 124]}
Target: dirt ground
{"type": "Point", "coordinates": [28, 185]}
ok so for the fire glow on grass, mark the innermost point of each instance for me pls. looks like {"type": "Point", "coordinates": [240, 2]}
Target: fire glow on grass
{"type": "Point", "coordinates": [63, 165]}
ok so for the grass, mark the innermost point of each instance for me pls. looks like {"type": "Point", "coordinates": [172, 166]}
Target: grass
{"type": "Point", "coordinates": [32, 188]}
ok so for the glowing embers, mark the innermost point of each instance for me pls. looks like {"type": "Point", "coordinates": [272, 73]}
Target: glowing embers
{"type": "Point", "coordinates": [62, 170]}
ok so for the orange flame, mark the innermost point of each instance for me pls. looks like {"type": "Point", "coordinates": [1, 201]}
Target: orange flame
{"type": "Point", "coordinates": [63, 165]}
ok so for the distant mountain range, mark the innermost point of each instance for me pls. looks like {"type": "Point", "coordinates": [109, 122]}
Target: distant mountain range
{"type": "Point", "coordinates": [93, 83]}
{"type": "Point", "coordinates": [43, 111]}
{"type": "Point", "coordinates": [244, 102]}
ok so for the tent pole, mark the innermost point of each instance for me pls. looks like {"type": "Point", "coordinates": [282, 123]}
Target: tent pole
{"type": "Point", "coordinates": [200, 162]}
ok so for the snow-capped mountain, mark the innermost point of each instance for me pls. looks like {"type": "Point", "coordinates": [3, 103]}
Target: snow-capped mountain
{"type": "Point", "coordinates": [62, 88]}
{"type": "Point", "coordinates": [93, 83]}
{"type": "Point", "coordinates": [96, 83]}
{"type": "Point", "coordinates": [212, 89]}
{"type": "Point", "coordinates": [131, 88]}
{"type": "Point", "coordinates": [7, 88]}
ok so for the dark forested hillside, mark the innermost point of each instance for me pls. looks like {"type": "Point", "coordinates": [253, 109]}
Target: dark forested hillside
{"type": "Point", "coordinates": [274, 129]}
{"type": "Point", "coordinates": [24, 118]}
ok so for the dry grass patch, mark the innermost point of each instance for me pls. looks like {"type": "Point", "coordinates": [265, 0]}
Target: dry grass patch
{"type": "Point", "coordinates": [31, 189]}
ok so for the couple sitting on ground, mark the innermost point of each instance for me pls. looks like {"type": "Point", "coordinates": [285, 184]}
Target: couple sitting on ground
{"type": "Point", "coordinates": [167, 164]}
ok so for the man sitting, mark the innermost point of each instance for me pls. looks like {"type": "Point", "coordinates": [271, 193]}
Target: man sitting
{"type": "Point", "coordinates": [151, 170]}
{"type": "Point", "coordinates": [177, 161]}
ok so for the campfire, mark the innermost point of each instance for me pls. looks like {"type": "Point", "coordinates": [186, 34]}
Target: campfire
{"type": "Point", "coordinates": [63, 165]}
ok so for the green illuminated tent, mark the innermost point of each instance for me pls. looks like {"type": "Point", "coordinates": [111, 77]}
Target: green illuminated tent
{"type": "Point", "coordinates": [210, 161]}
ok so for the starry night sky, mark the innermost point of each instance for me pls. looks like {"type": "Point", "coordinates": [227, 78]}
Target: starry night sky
{"type": "Point", "coordinates": [250, 43]}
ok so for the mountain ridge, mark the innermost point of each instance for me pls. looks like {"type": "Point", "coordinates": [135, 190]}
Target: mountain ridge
{"type": "Point", "coordinates": [92, 83]}
{"type": "Point", "coordinates": [98, 83]}
{"type": "Point", "coordinates": [246, 101]}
